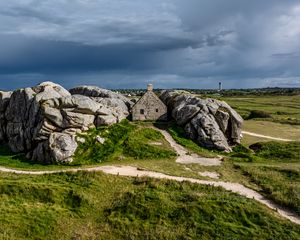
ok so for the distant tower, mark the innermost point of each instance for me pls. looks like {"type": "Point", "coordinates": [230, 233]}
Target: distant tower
{"type": "Point", "coordinates": [220, 86]}
{"type": "Point", "coordinates": [150, 87]}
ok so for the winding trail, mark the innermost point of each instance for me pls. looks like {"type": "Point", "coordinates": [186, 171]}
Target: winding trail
{"type": "Point", "coordinates": [184, 158]}
{"type": "Point", "coordinates": [264, 136]}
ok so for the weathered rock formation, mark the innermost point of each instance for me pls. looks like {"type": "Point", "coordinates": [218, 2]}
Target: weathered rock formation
{"type": "Point", "coordinates": [42, 121]}
{"type": "Point", "coordinates": [211, 123]}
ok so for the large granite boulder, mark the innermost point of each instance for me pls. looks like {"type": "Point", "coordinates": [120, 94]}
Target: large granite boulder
{"type": "Point", "coordinates": [43, 121]}
{"type": "Point", "coordinates": [96, 92]}
{"type": "Point", "coordinates": [211, 123]}
{"type": "Point", "coordinates": [118, 104]}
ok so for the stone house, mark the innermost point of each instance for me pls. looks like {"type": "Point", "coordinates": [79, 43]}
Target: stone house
{"type": "Point", "coordinates": [149, 107]}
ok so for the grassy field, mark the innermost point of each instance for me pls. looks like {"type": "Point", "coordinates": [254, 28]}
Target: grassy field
{"type": "Point", "coordinates": [284, 121]}
{"type": "Point", "coordinates": [273, 129]}
{"type": "Point", "coordinates": [283, 109]}
{"type": "Point", "coordinates": [99, 206]}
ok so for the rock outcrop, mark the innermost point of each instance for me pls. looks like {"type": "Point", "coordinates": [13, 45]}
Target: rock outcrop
{"type": "Point", "coordinates": [209, 122]}
{"type": "Point", "coordinates": [43, 121]}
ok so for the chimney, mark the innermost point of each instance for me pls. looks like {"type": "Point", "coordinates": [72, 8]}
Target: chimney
{"type": "Point", "coordinates": [150, 87]}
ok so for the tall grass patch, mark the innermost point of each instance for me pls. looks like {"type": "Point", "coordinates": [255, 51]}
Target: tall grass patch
{"type": "Point", "coordinates": [139, 145]}
{"type": "Point", "coordinates": [171, 210]}
{"type": "Point", "coordinates": [277, 150]}
{"type": "Point", "coordinates": [282, 184]}
{"type": "Point", "coordinates": [122, 140]}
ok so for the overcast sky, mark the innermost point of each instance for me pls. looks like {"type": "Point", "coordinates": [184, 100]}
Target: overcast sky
{"type": "Point", "coordinates": [170, 43]}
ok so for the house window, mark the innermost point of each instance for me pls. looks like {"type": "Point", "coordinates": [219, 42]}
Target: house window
{"type": "Point", "coordinates": [156, 109]}
{"type": "Point", "coordinates": [142, 111]}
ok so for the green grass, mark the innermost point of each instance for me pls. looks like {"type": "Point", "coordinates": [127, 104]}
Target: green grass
{"type": "Point", "coordinates": [267, 152]}
{"type": "Point", "coordinates": [123, 140]}
{"type": "Point", "coordinates": [98, 206]}
{"type": "Point", "coordinates": [289, 151]}
{"type": "Point", "coordinates": [178, 134]}
{"type": "Point", "coordinates": [61, 206]}
{"type": "Point", "coordinates": [282, 184]}
{"type": "Point", "coordinates": [138, 145]}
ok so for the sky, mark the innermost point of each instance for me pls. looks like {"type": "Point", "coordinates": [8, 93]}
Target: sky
{"type": "Point", "coordinates": [169, 43]}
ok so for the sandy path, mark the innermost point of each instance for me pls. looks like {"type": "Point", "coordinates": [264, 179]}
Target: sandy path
{"type": "Point", "coordinates": [134, 172]}
{"type": "Point", "coordinates": [264, 136]}
{"type": "Point", "coordinates": [183, 155]}
{"type": "Point", "coordinates": [213, 175]}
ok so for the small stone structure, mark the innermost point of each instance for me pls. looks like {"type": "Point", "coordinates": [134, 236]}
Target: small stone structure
{"type": "Point", "coordinates": [149, 107]}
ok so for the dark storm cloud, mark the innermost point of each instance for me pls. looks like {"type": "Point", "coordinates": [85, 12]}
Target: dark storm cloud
{"type": "Point", "coordinates": [55, 57]}
{"type": "Point", "coordinates": [59, 56]}
{"type": "Point", "coordinates": [27, 13]}
{"type": "Point", "coordinates": [171, 43]}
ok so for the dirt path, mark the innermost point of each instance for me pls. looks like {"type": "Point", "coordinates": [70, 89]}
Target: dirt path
{"type": "Point", "coordinates": [264, 136]}
{"type": "Point", "coordinates": [213, 175]}
{"type": "Point", "coordinates": [184, 157]}
{"type": "Point", "coordinates": [129, 171]}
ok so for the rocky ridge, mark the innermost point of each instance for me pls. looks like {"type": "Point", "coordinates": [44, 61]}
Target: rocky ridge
{"type": "Point", "coordinates": [211, 123]}
{"type": "Point", "coordinates": [43, 121]}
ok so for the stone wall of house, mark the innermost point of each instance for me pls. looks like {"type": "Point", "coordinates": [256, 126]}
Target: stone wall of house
{"type": "Point", "coordinates": [149, 107]}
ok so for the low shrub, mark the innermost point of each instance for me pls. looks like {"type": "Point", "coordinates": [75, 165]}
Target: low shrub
{"type": "Point", "coordinates": [258, 114]}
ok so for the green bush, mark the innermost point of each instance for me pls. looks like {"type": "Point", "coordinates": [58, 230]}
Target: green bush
{"type": "Point", "coordinates": [259, 114]}
{"type": "Point", "coordinates": [240, 153]}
